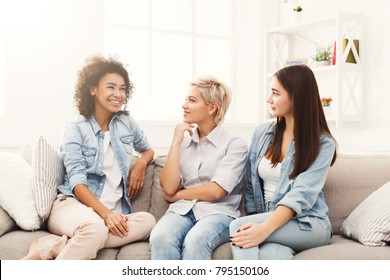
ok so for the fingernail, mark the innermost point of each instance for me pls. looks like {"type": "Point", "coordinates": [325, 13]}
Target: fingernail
{"type": "Point", "coordinates": [238, 230]}
{"type": "Point", "coordinates": [234, 244]}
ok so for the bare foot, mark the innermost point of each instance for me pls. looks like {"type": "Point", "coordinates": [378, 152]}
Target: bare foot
{"type": "Point", "coordinates": [33, 252]}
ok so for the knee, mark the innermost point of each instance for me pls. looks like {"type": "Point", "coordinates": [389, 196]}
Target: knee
{"type": "Point", "coordinates": [160, 236]}
{"type": "Point", "coordinates": [274, 251]}
{"type": "Point", "coordinates": [235, 226]}
{"type": "Point", "coordinates": [148, 221]}
{"type": "Point", "coordinates": [93, 230]}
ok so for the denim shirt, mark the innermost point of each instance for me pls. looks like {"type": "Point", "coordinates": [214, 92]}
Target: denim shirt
{"type": "Point", "coordinates": [303, 194]}
{"type": "Point", "coordinates": [83, 153]}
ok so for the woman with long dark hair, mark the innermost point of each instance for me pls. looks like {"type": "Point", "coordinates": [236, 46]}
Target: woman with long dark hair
{"type": "Point", "coordinates": [288, 162]}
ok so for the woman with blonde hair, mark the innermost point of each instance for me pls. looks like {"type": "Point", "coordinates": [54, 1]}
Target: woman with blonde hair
{"type": "Point", "coordinates": [202, 177]}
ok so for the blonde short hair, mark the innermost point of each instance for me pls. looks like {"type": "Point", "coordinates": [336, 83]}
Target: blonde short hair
{"type": "Point", "coordinates": [214, 92]}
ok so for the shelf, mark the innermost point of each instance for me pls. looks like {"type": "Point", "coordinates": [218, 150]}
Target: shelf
{"type": "Point", "coordinates": [344, 81]}
{"type": "Point", "coordinates": [300, 27]}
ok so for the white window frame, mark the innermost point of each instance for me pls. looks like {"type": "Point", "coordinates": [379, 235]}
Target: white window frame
{"type": "Point", "coordinates": [195, 36]}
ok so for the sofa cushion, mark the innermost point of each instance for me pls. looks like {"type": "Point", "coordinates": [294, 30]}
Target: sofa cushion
{"type": "Point", "coordinates": [350, 180]}
{"type": "Point", "coordinates": [341, 248]}
{"type": "Point", "coordinates": [142, 201]}
{"type": "Point", "coordinates": [7, 224]}
{"type": "Point", "coordinates": [159, 205]}
{"type": "Point", "coordinates": [16, 196]}
{"type": "Point", "coordinates": [14, 245]}
{"type": "Point", "coordinates": [49, 173]}
{"type": "Point", "coordinates": [135, 251]}
{"type": "Point", "coordinates": [369, 223]}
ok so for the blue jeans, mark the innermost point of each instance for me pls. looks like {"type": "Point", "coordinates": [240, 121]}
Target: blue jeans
{"type": "Point", "coordinates": [285, 242]}
{"type": "Point", "coordinates": [177, 237]}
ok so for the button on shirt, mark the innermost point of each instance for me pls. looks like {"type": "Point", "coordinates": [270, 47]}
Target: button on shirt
{"type": "Point", "coordinates": [219, 158]}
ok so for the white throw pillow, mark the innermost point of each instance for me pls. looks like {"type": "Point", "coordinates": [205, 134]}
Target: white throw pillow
{"type": "Point", "coordinates": [48, 171]}
{"type": "Point", "coordinates": [369, 223]}
{"type": "Point", "coordinates": [15, 191]}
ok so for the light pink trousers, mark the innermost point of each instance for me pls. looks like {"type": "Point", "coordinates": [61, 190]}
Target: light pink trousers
{"type": "Point", "coordinates": [79, 232]}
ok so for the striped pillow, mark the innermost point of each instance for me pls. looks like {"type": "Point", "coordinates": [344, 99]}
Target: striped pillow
{"type": "Point", "coordinates": [48, 171]}
{"type": "Point", "coordinates": [369, 223]}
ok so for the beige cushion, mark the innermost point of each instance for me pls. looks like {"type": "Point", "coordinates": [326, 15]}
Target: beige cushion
{"type": "Point", "coordinates": [350, 180]}
{"type": "Point", "coordinates": [159, 206]}
{"type": "Point", "coordinates": [369, 223]}
{"type": "Point", "coordinates": [142, 201]}
{"type": "Point", "coordinates": [7, 224]}
{"type": "Point", "coordinates": [49, 172]}
{"type": "Point", "coordinates": [16, 195]}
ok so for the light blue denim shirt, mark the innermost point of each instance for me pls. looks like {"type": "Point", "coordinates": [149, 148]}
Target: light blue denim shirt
{"type": "Point", "coordinates": [83, 153]}
{"type": "Point", "coordinates": [220, 157]}
{"type": "Point", "coordinates": [304, 193]}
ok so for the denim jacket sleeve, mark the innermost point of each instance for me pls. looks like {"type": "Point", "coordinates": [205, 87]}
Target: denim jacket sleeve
{"type": "Point", "coordinates": [306, 187]}
{"type": "Point", "coordinates": [250, 206]}
{"type": "Point", "coordinates": [72, 154]}
{"type": "Point", "coordinates": [253, 201]}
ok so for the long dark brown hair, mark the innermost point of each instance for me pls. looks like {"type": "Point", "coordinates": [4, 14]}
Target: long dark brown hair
{"type": "Point", "coordinates": [89, 77]}
{"type": "Point", "coordinates": [309, 118]}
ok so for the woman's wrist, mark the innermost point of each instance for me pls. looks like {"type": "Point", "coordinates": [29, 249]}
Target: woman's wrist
{"type": "Point", "coordinates": [143, 161]}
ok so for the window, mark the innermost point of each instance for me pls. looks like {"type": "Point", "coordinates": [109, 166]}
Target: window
{"type": "Point", "coordinates": [167, 43]}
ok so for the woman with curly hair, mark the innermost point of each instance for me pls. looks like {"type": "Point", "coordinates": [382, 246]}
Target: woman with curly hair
{"type": "Point", "coordinates": [93, 209]}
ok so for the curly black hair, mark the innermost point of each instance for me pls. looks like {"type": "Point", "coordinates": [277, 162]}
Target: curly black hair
{"type": "Point", "coordinates": [89, 77]}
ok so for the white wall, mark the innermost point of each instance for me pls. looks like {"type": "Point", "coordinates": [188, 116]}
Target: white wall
{"type": "Point", "coordinates": [48, 41]}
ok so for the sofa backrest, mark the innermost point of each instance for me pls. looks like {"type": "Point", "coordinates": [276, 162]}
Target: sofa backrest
{"type": "Point", "coordinates": [350, 180]}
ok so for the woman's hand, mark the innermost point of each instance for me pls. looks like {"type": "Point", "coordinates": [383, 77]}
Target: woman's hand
{"type": "Point", "coordinates": [117, 224]}
{"type": "Point", "coordinates": [137, 178]}
{"type": "Point", "coordinates": [250, 235]}
{"type": "Point", "coordinates": [180, 129]}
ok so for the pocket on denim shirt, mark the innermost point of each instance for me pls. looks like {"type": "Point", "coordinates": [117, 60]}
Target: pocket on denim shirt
{"type": "Point", "coordinates": [89, 154]}
{"type": "Point", "coordinates": [127, 142]}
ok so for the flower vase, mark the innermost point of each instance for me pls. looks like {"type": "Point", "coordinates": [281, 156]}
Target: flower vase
{"type": "Point", "coordinates": [327, 111]}
{"type": "Point", "coordinates": [296, 17]}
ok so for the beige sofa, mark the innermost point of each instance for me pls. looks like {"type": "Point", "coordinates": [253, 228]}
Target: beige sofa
{"type": "Point", "coordinates": [349, 182]}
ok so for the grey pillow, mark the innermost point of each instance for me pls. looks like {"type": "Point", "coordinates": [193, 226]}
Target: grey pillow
{"type": "Point", "coordinates": [369, 222]}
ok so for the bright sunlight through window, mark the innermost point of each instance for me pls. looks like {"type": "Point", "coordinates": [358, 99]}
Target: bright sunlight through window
{"type": "Point", "coordinates": [166, 44]}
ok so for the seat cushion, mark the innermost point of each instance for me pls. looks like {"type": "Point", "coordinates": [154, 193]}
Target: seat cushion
{"type": "Point", "coordinates": [135, 251]}
{"type": "Point", "coordinates": [14, 245]}
{"type": "Point", "coordinates": [341, 248]}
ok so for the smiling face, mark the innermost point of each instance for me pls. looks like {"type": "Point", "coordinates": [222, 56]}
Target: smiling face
{"type": "Point", "coordinates": [110, 94]}
{"type": "Point", "coordinates": [195, 108]}
{"type": "Point", "coordinates": [280, 102]}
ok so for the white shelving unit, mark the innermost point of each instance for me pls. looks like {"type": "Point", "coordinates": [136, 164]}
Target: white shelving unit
{"type": "Point", "coordinates": [344, 81]}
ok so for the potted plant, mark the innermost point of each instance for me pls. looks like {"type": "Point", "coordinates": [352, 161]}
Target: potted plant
{"type": "Point", "coordinates": [326, 101]}
{"type": "Point", "coordinates": [322, 56]}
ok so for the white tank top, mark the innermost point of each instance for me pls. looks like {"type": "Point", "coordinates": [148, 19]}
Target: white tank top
{"type": "Point", "coordinates": [270, 176]}
{"type": "Point", "coordinates": [112, 190]}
